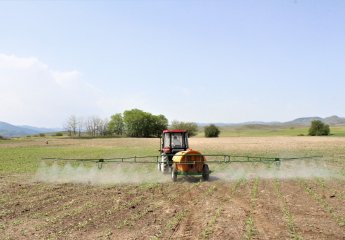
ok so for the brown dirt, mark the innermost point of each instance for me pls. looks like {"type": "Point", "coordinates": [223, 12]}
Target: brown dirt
{"type": "Point", "coordinates": [188, 209]}
{"type": "Point", "coordinates": [184, 210]}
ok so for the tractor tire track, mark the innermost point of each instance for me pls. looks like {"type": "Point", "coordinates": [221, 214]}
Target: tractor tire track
{"type": "Point", "coordinates": [198, 202]}
{"type": "Point", "coordinates": [178, 215]}
{"type": "Point", "coordinates": [151, 214]}
{"type": "Point", "coordinates": [227, 213]}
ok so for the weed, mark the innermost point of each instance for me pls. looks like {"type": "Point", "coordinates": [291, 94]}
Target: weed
{"type": "Point", "coordinates": [210, 190]}
{"type": "Point", "coordinates": [2, 226]}
{"type": "Point", "coordinates": [172, 223]}
{"type": "Point", "coordinates": [17, 222]}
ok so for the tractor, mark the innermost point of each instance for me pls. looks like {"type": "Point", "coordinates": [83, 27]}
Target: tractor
{"type": "Point", "coordinates": [178, 159]}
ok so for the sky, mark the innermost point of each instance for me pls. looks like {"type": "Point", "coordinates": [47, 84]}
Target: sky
{"type": "Point", "coordinates": [200, 61]}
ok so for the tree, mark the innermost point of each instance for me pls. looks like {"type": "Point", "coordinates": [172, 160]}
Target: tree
{"type": "Point", "coordinates": [318, 128]}
{"type": "Point", "coordinates": [80, 125]}
{"type": "Point", "coordinates": [191, 127]}
{"type": "Point", "coordinates": [159, 123]}
{"type": "Point", "coordinates": [90, 126]}
{"type": "Point", "coordinates": [71, 125]}
{"type": "Point", "coordinates": [96, 126]}
{"type": "Point", "coordinates": [211, 131]}
{"type": "Point", "coordinates": [103, 127]}
{"type": "Point", "coordinates": [142, 124]}
{"type": "Point", "coordinates": [116, 124]}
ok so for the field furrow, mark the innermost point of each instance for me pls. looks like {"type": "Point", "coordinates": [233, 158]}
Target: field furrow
{"type": "Point", "coordinates": [311, 221]}
{"type": "Point", "coordinates": [241, 201]}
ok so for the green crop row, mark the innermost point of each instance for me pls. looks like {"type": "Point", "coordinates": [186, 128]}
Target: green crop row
{"type": "Point", "coordinates": [323, 203]}
{"type": "Point", "coordinates": [287, 215]}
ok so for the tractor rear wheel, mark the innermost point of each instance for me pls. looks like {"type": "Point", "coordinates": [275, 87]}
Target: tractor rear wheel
{"type": "Point", "coordinates": [205, 173]}
{"type": "Point", "coordinates": [164, 163]}
{"type": "Point", "coordinates": [173, 174]}
{"type": "Point", "coordinates": [164, 168]}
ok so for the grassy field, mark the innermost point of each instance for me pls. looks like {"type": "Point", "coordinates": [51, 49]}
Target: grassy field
{"type": "Point", "coordinates": [270, 131]}
{"type": "Point", "coordinates": [301, 200]}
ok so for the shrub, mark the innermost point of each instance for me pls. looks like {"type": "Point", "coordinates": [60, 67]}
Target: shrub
{"type": "Point", "coordinates": [211, 131]}
{"type": "Point", "coordinates": [318, 128]}
{"type": "Point", "coordinates": [59, 134]}
{"type": "Point", "coordinates": [42, 135]}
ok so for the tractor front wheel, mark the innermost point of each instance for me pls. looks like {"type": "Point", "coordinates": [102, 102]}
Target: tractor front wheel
{"type": "Point", "coordinates": [205, 173]}
{"type": "Point", "coordinates": [173, 174]}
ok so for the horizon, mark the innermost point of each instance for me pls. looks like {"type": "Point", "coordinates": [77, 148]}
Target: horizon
{"type": "Point", "coordinates": [199, 123]}
{"type": "Point", "coordinates": [206, 62]}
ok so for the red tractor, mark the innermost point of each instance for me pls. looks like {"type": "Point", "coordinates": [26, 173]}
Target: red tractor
{"type": "Point", "coordinates": [172, 142]}
{"type": "Point", "coordinates": [178, 159]}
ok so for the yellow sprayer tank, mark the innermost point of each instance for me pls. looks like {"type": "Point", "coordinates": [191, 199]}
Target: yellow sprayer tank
{"type": "Point", "coordinates": [189, 162]}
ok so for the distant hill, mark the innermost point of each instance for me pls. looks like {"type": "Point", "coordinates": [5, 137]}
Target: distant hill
{"type": "Point", "coordinates": [303, 121]}
{"type": "Point", "coordinates": [9, 130]}
{"type": "Point", "coordinates": [41, 130]}
{"type": "Point", "coordinates": [332, 120]}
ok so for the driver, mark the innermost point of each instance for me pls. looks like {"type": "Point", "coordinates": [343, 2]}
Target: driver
{"type": "Point", "coordinates": [176, 141]}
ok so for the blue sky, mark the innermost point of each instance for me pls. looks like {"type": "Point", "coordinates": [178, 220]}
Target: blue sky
{"type": "Point", "coordinates": [203, 61]}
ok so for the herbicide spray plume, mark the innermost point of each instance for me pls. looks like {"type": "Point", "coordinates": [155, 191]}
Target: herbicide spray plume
{"type": "Point", "coordinates": [287, 170]}
{"type": "Point", "coordinates": [91, 174]}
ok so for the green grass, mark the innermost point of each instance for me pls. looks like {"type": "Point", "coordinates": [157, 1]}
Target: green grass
{"type": "Point", "coordinates": [26, 159]}
{"type": "Point", "coordinates": [263, 131]}
{"type": "Point", "coordinates": [23, 155]}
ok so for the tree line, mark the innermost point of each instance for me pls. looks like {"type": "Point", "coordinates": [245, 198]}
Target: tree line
{"type": "Point", "coordinates": [130, 123]}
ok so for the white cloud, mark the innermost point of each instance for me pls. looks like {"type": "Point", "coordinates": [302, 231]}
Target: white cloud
{"type": "Point", "coordinates": [13, 62]}
{"type": "Point", "coordinates": [33, 93]}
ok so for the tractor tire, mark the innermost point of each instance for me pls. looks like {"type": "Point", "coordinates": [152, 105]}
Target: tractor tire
{"type": "Point", "coordinates": [164, 163]}
{"type": "Point", "coordinates": [164, 168]}
{"type": "Point", "coordinates": [205, 173]}
{"type": "Point", "coordinates": [173, 174]}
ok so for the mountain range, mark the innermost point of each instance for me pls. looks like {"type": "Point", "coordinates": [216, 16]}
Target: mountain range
{"type": "Point", "coordinates": [9, 130]}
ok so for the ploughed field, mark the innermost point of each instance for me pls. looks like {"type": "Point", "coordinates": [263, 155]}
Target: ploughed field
{"type": "Point", "coordinates": [259, 203]}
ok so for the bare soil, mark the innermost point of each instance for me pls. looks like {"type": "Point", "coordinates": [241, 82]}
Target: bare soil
{"type": "Point", "coordinates": [252, 208]}
{"type": "Point", "coordinates": [184, 210]}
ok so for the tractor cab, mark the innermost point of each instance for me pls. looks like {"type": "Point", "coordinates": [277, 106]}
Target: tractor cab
{"type": "Point", "coordinates": [172, 142]}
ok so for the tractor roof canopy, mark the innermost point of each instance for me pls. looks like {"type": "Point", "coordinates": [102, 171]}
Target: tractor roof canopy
{"type": "Point", "coordinates": [175, 131]}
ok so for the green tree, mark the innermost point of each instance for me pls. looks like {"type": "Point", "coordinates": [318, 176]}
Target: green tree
{"type": "Point", "coordinates": [318, 128]}
{"type": "Point", "coordinates": [116, 125]}
{"type": "Point", "coordinates": [211, 131]}
{"type": "Point", "coordinates": [159, 123]}
{"type": "Point", "coordinates": [142, 124]}
{"type": "Point", "coordinates": [191, 127]}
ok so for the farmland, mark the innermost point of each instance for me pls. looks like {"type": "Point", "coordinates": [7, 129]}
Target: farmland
{"type": "Point", "coordinates": [298, 200]}
{"type": "Point", "coordinates": [259, 130]}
